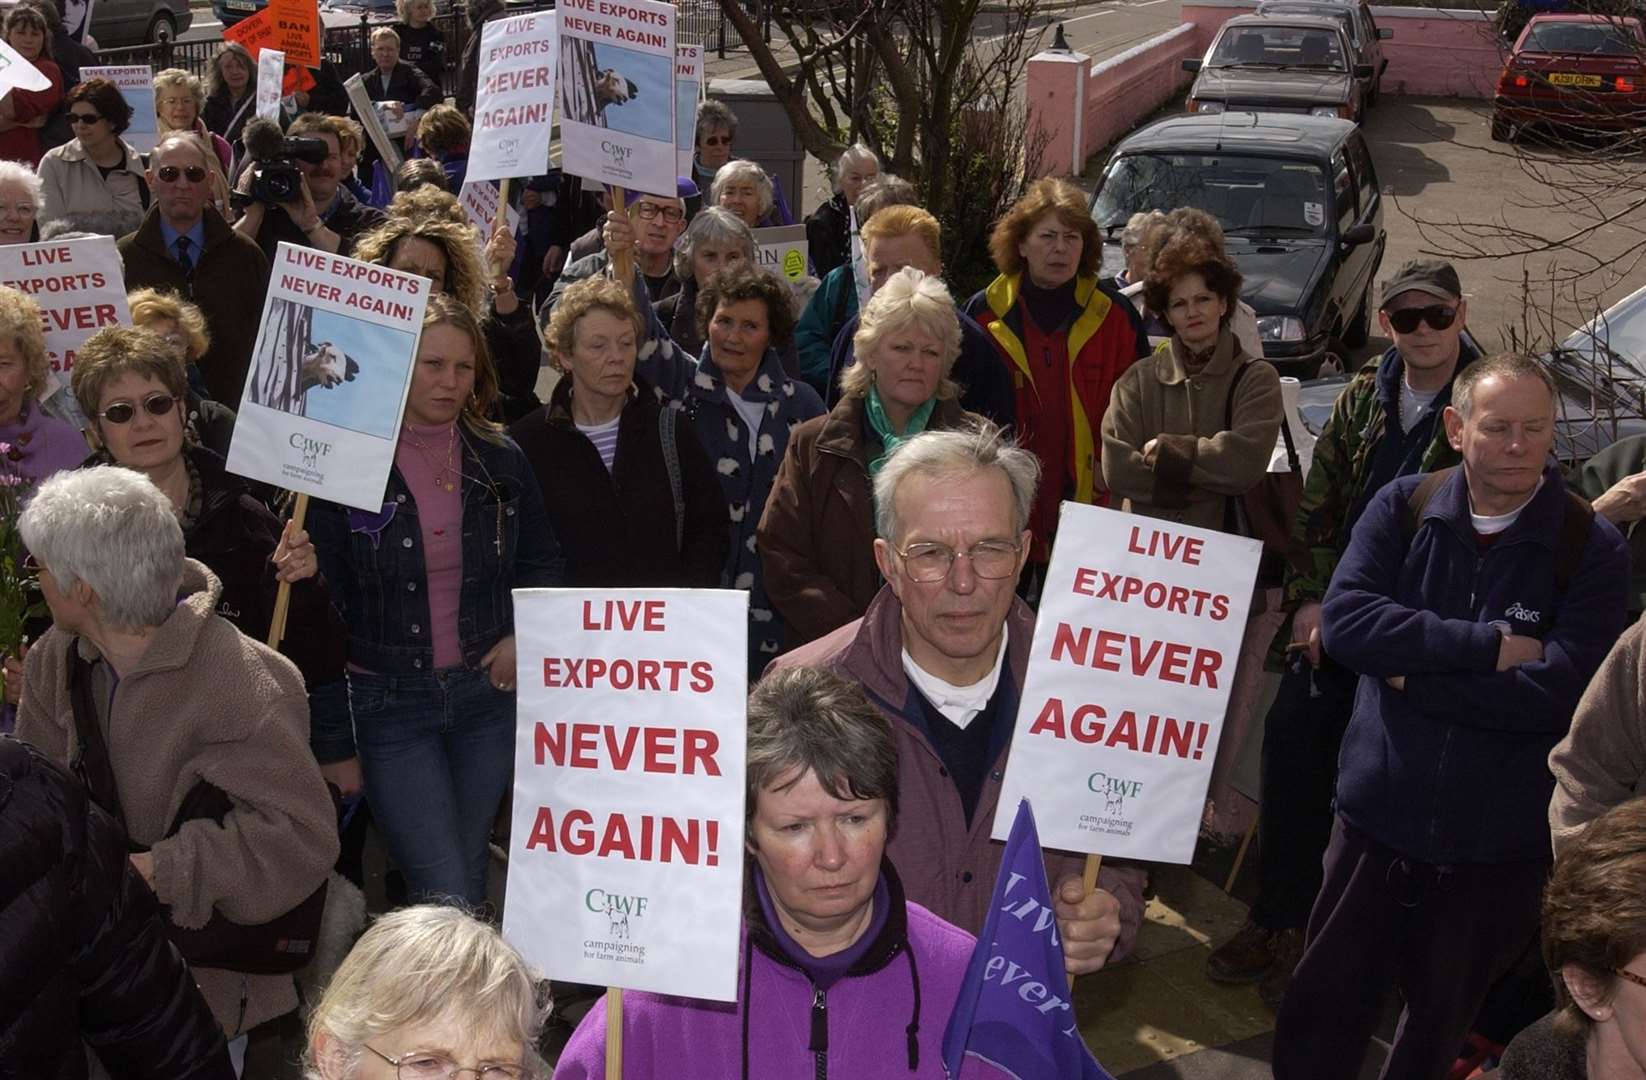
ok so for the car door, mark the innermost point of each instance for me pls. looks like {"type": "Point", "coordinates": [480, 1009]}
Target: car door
{"type": "Point", "coordinates": [1361, 261]}
{"type": "Point", "coordinates": [1339, 284]}
{"type": "Point", "coordinates": [117, 22]}
{"type": "Point", "coordinates": [1374, 44]}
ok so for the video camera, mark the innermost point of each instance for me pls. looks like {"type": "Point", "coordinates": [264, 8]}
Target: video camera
{"type": "Point", "coordinates": [275, 177]}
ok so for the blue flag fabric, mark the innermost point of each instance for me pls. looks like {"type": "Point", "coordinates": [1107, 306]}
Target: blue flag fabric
{"type": "Point", "coordinates": [1014, 1009]}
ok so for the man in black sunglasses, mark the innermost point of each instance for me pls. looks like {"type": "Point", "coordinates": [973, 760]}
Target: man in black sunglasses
{"type": "Point", "coordinates": [184, 245]}
{"type": "Point", "coordinates": [1385, 424]}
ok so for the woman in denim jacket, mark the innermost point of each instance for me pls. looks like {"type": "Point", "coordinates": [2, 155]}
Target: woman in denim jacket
{"type": "Point", "coordinates": [426, 588]}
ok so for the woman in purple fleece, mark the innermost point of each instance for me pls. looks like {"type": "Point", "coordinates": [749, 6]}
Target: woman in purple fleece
{"type": "Point", "coordinates": [841, 976]}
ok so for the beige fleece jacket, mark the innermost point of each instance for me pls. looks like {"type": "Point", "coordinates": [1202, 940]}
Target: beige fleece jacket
{"type": "Point", "coordinates": [1602, 760]}
{"type": "Point", "coordinates": [1199, 462]}
{"type": "Point", "coordinates": [204, 703]}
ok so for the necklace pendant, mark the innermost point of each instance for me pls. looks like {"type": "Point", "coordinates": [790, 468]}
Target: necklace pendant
{"type": "Point", "coordinates": [449, 486]}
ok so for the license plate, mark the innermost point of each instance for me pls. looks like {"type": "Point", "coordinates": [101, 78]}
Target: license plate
{"type": "Point", "coordinates": [241, 5]}
{"type": "Point", "coordinates": [1572, 78]}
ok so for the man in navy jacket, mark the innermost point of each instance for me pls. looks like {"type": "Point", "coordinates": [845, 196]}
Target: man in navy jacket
{"type": "Point", "coordinates": [1472, 654]}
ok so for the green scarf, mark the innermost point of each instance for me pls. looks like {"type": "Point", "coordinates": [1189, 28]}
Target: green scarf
{"type": "Point", "coordinates": [889, 439]}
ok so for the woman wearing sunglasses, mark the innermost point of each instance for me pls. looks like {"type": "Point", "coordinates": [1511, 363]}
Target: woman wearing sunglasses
{"type": "Point", "coordinates": [96, 172]}
{"type": "Point", "coordinates": [24, 112]}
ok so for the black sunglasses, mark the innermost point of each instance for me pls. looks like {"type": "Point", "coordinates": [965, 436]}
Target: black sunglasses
{"type": "Point", "coordinates": [121, 412]}
{"type": "Point", "coordinates": [87, 118]}
{"type": "Point", "coordinates": [169, 173]}
{"type": "Point", "coordinates": [1438, 316]}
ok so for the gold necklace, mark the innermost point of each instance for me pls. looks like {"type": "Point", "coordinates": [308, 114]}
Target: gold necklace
{"type": "Point", "coordinates": [445, 476]}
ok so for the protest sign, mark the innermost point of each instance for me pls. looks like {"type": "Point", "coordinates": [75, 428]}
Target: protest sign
{"type": "Point", "coordinates": [136, 84]}
{"type": "Point", "coordinates": [781, 250]}
{"type": "Point", "coordinates": [329, 374]}
{"type": "Point", "coordinates": [80, 286]}
{"type": "Point", "coordinates": [617, 102]}
{"type": "Point", "coordinates": [271, 81]}
{"type": "Point", "coordinates": [479, 199]}
{"type": "Point", "coordinates": [372, 121]}
{"type": "Point", "coordinates": [1134, 654]}
{"type": "Point", "coordinates": [626, 857]}
{"type": "Point", "coordinates": [688, 94]}
{"type": "Point", "coordinates": [514, 103]}
{"type": "Point", "coordinates": [17, 73]}
{"type": "Point", "coordinates": [292, 26]}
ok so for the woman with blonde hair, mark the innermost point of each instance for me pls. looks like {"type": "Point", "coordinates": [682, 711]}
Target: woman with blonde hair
{"type": "Point", "coordinates": [428, 993]}
{"type": "Point", "coordinates": [182, 325]}
{"type": "Point", "coordinates": [179, 99]}
{"type": "Point", "coordinates": [422, 43]}
{"type": "Point", "coordinates": [37, 444]}
{"type": "Point", "coordinates": [817, 535]}
{"type": "Point", "coordinates": [425, 721]}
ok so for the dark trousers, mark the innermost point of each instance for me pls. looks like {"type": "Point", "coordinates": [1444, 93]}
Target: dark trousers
{"type": "Point", "coordinates": [1441, 935]}
{"type": "Point", "coordinates": [1301, 738]}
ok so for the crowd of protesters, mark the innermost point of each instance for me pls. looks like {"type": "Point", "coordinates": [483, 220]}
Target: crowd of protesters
{"type": "Point", "coordinates": [879, 463]}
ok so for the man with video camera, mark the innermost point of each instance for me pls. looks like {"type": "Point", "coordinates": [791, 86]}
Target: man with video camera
{"type": "Point", "coordinates": [292, 188]}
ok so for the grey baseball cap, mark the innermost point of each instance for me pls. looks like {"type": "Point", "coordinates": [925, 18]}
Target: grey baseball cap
{"type": "Point", "coordinates": [1433, 276]}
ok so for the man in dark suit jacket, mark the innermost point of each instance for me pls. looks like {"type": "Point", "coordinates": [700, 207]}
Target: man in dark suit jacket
{"type": "Point", "coordinates": [394, 81]}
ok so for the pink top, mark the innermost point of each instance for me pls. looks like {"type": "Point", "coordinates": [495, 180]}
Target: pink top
{"type": "Point", "coordinates": [430, 459]}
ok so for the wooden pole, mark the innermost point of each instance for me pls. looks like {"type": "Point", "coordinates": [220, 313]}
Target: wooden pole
{"type": "Point", "coordinates": [614, 1033]}
{"type": "Point", "coordinates": [1240, 857]}
{"type": "Point", "coordinates": [1088, 882]}
{"type": "Point", "coordinates": [622, 261]}
{"type": "Point", "coordinates": [282, 596]}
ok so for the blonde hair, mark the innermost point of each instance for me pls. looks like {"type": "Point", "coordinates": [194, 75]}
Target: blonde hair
{"type": "Point", "coordinates": [590, 294]}
{"type": "Point", "coordinates": [465, 278]}
{"type": "Point", "coordinates": [20, 321]}
{"type": "Point", "coordinates": [383, 32]}
{"type": "Point", "coordinates": [153, 305]}
{"type": "Point", "coordinates": [402, 8]}
{"type": "Point", "coordinates": [447, 310]}
{"type": "Point", "coordinates": [905, 220]}
{"type": "Point", "coordinates": [178, 79]}
{"type": "Point", "coordinates": [909, 298]}
{"type": "Point", "coordinates": [421, 964]}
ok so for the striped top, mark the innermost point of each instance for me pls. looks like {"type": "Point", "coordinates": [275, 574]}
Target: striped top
{"type": "Point", "coordinates": [604, 437]}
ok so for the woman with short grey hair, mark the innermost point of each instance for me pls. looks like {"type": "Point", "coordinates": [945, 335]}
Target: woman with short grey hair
{"type": "Point", "coordinates": [21, 195]}
{"type": "Point", "coordinates": [827, 928]}
{"type": "Point", "coordinates": [715, 239]}
{"type": "Point", "coordinates": [743, 188]}
{"type": "Point", "coordinates": [829, 227]}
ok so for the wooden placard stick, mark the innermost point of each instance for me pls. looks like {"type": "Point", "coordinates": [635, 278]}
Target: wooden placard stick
{"type": "Point", "coordinates": [614, 1033]}
{"type": "Point", "coordinates": [621, 260]}
{"type": "Point", "coordinates": [1088, 882]}
{"type": "Point", "coordinates": [282, 595]}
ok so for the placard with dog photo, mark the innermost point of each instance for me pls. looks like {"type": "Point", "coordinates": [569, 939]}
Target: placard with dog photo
{"type": "Point", "coordinates": [617, 98]}
{"type": "Point", "coordinates": [329, 376]}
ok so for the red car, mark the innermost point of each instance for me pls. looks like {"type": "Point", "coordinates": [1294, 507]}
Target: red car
{"type": "Point", "coordinates": [1580, 71]}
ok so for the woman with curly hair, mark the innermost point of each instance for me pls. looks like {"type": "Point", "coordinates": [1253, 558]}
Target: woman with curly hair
{"type": "Point", "coordinates": [182, 325]}
{"type": "Point", "coordinates": [37, 444]}
{"type": "Point", "coordinates": [179, 99]}
{"type": "Point", "coordinates": [231, 90]}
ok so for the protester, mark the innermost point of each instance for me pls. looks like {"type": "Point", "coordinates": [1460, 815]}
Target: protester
{"type": "Point", "coordinates": [629, 510]}
{"type": "Point", "coordinates": [21, 196]}
{"type": "Point", "coordinates": [328, 216]}
{"type": "Point", "coordinates": [179, 99]}
{"type": "Point", "coordinates": [182, 325]}
{"type": "Point", "coordinates": [433, 979]}
{"type": "Point", "coordinates": [1600, 762]}
{"type": "Point", "coordinates": [1133, 247]}
{"type": "Point", "coordinates": [197, 699]}
{"type": "Point", "coordinates": [24, 112]}
{"type": "Point", "coordinates": [829, 227]}
{"type": "Point", "coordinates": [1594, 944]}
{"type": "Point", "coordinates": [70, 55]}
{"type": "Point", "coordinates": [231, 92]}
{"type": "Point", "coordinates": [714, 240]}
{"type": "Point", "coordinates": [744, 188]}
{"type": "Point", "coordinates": [96, 172]}
{"type": "Point", "coordinates": [444, 135]}
{"type": "Point", "coordinates": [828, 920]}
{"type": "Point", "coordinates": [942, 652]}
{"type": "Point", "coordinates": [421, 42]}
{"type": "Point", "coordinates": [1615, 481]}
{"type": "Point", "coordinates": [657, 223]}
{"type": "Point", "coordinates": [816, 537]}
{"type": "Point", "coordinates": [716, 131]}
{"type": "Point", "coordinates": [400, 91]}
{"type": "Point", "coordinates": [415, 173]}
{"type": "Point", "coordinates": [1475, 605]}
{"type": "Point", "coordinates": [1385, 424]}
{"type": "Point", "coordinates": [99, 971]}
{"type": "Point", "coordinates": [1046, 313]}
{"type": "Point", "coordinates": [184, 246]}
{"type": "Point", "coordinates": [37, 445]}
{"type": "Point", "coordinates": [429, 701]}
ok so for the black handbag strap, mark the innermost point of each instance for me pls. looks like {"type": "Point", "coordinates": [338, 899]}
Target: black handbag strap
{"type": "Point", "coordinates": [92, 762]}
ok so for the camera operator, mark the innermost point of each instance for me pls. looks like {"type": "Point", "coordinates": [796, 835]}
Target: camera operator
{"type": "Point", "coordinates": [323, 214]}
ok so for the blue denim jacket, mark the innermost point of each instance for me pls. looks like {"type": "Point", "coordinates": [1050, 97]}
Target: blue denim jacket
{"type": "Point", "coordinates": [373, 566]}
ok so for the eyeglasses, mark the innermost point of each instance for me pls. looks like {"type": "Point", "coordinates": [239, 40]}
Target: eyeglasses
{"type": "Point", "coordinates": [1438, 316]}
{"type": "Point", "coordinates": [169, 173]}
{"type": "Point", "coordinates": [21, 209]}
{"type": "Point", "coordinates": [421, 1065]}
{"type": "Point", "coordinates": [121, 412]}
{"type": "Point", "coordinates": [31, 565]}
{"type": "Point", "coordinates": [86, 118]}
{"type": "Point", "coordinates": [717, 140]}
{"type": "Point", "coordinates": [932, 562]}
{"type": "Point", "coordinates": [648, 211]}
{"type": "Point", "coordinates": [1625, 973]}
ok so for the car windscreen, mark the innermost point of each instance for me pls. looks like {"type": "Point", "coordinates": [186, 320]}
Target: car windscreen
{"type": "Point", "coordinates": [1582, 38]}
{"type": "Point", "coordinates": [1248, 195]}
{"type": "Point", "coordinates": [1280, 47]}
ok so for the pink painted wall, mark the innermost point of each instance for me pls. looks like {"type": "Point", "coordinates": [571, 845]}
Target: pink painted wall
{"type": "Point", "coordinates": [1052, 94]}
{"type": "Point", "coordinates": [1124, 89]}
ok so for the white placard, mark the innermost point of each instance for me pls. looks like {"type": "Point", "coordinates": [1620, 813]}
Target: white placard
{"type": "Point", "coordinates": [617, 100]}
{"type": "Point", "coordinates": [17, 73]}
{"type": "Point", "coordinates": [626, 857]}
{"type": "Point", "coordinates": [479, 199]}
{"type": "Point", "coordinates": [688, 94]}
{"type": "Point", "coordinates": [271, 74]}
{"type": "Point", "coordinates": [1134, 653]}
{"type": "Point", "coordinates": [514, 103]}
{"type": "Point", "coordinates": [781, 250]}
{"type": "Point", "coordinates": [80, 286]}
{"type": "Point", "coordinates": [365, 110]}
{"type": "Point", "coordinates": [136, 84]}
{"type": "Point", "coordinates": [329, 376]}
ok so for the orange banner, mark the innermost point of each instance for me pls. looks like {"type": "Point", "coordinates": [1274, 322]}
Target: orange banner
{"type": "Point", "coordinates": [292, 26]}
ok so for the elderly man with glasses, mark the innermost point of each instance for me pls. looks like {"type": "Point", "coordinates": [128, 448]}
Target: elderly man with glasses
{"type": "Point", "coordinates": [186, 247]}
{"type": "Point", "coordinates": [942, 652]}
{"type": "Point", "coordinates": [657, 222]}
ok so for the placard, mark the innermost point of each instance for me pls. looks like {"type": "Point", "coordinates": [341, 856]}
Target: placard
{"type": "Point", "coordinates": [626, 854]}
{"type": "Point", "coordinates": [514, 103]}
{"type": "Point", "coordinates": [781, 250]}
{"type": "Point", "coordinates": [688, 95]}
{"type": "Point", "coordinates": [80, 286]}
{"type": "Point", "coordinates": [617, 101]}
{"type": "Point", "coordinates": [271, 81]}
{"type": "Point", "coordinates": [329, 376]}
{"type": "Point", "coordinates": [292, 26]}
{"type": "Point", "coordinates": [479, 199]}
{"type": "Point", "coordinates": [365, 110]}
{"type": "Point", "coordinates": [136, 84]}
{"type": "Point", "coordinates": [17, 73]}
{"type": "Point", "coordinates": [1134, 654]}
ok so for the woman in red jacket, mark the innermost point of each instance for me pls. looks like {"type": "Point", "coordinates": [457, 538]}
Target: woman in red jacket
{"type": "Point", "coordinates": [23, 112]}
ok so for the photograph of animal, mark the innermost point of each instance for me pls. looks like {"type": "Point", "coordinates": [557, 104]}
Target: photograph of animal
{"type": "Point", "coordinates": [288, 364]}
{"type": "Point", "coordinates": [610, 88]}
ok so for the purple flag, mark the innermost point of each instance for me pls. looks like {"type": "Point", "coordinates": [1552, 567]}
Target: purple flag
{"type": "Point", "coordinates": [1014, 1009]}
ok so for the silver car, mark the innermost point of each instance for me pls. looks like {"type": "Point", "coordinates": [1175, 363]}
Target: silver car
{"type": "Point", "coordinates": [1365, 36]}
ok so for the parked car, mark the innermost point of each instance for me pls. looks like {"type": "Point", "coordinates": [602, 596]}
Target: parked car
{"type": "Point", "coordinates": [1298, 200]}
{"type": "Point", "coordinates": [1287, 64]}
{"type": "Point", "coordinates": [118, 23]}
{"type": "Point", "coordinates": [1586, 72]}
{"type": "Point", "coordinates": [1365, 36]}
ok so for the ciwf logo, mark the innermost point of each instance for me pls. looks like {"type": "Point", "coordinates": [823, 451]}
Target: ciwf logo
{"type": "Point", "coordinates": [1114, 790]}
{"type": "Point", "coordinates": [312, 450]}
{"type": "Point", "coordinates": [618, 909]}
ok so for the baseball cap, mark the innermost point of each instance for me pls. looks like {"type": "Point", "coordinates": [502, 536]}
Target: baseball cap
{"type": "Point", "coordinates": [686, 188]}
{"type": "Point", "coordinates": [1433, 276]}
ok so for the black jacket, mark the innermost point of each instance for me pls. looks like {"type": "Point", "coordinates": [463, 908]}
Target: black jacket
{"type": "Point", "coordinates": [517, 353]}
{"type": "Point", "coordinates": [617, 528]}
{"type": "Point", "coordinates": [828, 235]}
{"type": "Point", "coordinates": [225, 116]}
{"type": "Point", "coordinates": [407, 84]}
{"type": "Point", "coordinates": [348, 218]}
{"type": "Point", "coordinates": [425, 48]}
{"type": "Point", "coordinates": [84, 955]}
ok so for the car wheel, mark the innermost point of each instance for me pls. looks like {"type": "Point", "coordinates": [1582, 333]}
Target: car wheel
{"type": "Point", "coordinates": [1500, 129]}
{"type": "Point", "coordinates": [163, 28]}
{"type": "Point", "coordinates": [1333, 362]}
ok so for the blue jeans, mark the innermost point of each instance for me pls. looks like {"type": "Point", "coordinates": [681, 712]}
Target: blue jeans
{"type": "Point", "coordinates": [437, 752]}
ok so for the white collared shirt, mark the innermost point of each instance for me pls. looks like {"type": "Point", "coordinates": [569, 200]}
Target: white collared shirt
{"type": "Point", "coordinates": [960, 704]}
